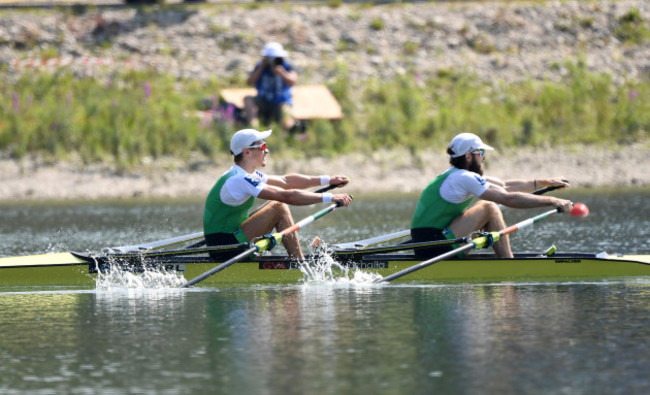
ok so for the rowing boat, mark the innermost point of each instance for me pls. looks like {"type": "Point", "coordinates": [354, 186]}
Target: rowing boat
{"type": "Point", "coordinates": [252, 263]}
{"type": "Point", "coordinates": [82, 269]}
{"type": "Point", "coordinates": [187, 258]}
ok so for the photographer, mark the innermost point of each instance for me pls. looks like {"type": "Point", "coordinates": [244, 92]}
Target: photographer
{"type": "Point", "coordinates": [273, 78]}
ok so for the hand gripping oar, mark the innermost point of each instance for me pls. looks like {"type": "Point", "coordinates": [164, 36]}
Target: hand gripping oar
{"type": "Point", "coordinates": [485, 240]}
{"type": "Point", "coordinates": [361, 244]}
{"type": "Point", "coordinates": [322, 190]}
{"type": "Point", "coordinates": [267, 242]}
{"type": "Point", "coordinates": [180, 239]}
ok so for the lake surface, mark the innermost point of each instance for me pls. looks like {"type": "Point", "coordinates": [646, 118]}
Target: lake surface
{"type": "Point", "coordinates": [321, 337]}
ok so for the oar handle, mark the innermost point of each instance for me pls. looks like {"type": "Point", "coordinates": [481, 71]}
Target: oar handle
{"type": "Point", "coordinates": [327, 188]}
{"type": "Point", "coordinates": [542, 191]}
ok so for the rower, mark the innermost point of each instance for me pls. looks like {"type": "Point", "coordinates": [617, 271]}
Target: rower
{"type": "Point", "coordinates": [443, 210]}
{"type": "Point", "coordinates": [226, 217]}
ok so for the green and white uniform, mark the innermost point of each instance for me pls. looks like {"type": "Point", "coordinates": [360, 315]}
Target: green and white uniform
{"type": "Point", "coordinates": [229, 201]}
{"type": "Point", "coordinates": [445, 198]}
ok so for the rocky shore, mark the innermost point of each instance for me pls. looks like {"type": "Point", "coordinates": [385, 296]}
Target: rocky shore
{"type": "Point", "coordinates": [504, 41]}
{"type": "Point", "coordinates": [496, 40]}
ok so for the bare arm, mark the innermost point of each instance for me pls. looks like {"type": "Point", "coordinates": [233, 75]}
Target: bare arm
{"type": "Point", "coordinates": [301, 181]}
{"type": "Point", "coordinates": [297, 197]}
{"type": "Point", "coordinates": [529, 185]}
{"type": "Point", "coordinates": [524, 200]}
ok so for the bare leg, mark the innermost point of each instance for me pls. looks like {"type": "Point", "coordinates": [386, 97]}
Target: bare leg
{"type": "Point", "coordinates": [483, 215]}
{"type": "Point", "coordinates": [273, 215]}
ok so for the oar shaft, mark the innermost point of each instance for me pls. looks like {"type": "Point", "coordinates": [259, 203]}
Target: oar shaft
{"type": "Point", "coordinates": [219, 268]}
{"type": "Point", "coordinates": [479, 242]}
{"type": "Point", "coordinates": [262, 245]}
{"type": "Point", "coordinates": [308, 220]}
{"type": "Point", "coordinates": [526, 223]}
{"type": "Point", "coordinates": [360, 244]}
{"type": "Point", "coordinates": [424, 264]}
{"type": "Point", "coordinates": [267, 243]}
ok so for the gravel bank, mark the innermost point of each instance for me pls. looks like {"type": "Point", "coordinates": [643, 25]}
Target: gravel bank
{"type": "Point", "coordinates": [506, 41]}
{"type": "Point", "coordinates": [383, 172]}
{"type": "Point", "coordinates": [495, 40]}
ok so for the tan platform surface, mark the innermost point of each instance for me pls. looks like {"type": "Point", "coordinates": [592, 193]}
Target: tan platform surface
{"type": "Point", "coordinates": [309, 101]}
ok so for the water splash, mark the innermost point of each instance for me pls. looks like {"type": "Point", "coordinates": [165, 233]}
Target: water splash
{"type": "Point", "coordinates": [322, 268]}
{"type": "Point", "coordinates": [119, 278]}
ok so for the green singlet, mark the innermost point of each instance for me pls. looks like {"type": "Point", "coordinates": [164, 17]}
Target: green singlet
{"type": "Point", "coordinates": [219, 217]}
{"type": "Point", "coordinates": [432, 211]}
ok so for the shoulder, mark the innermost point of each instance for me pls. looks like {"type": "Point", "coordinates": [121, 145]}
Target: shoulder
{"type": "Point", "coordinates": [467, 182]}
{"type": "Point", "coordinates": [241, 177]}
{"type": "Point", "coordinates": [466, 176]}
{"type": "Point", "coordinates": [255, 179]}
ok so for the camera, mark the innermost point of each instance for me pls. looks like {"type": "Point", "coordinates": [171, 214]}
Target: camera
{"type": "Point", "coordinates": [277, 61]}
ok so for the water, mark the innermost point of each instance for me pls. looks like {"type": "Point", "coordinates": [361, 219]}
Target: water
{"type": "Point", "coordinates": [324, 337]}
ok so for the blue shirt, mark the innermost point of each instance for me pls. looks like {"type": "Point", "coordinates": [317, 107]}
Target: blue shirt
{"type": "Point", "coordinates": [271, 88]}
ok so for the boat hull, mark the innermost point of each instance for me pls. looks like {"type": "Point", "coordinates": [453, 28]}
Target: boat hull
{"type": "Point", "coordinates": [76, 270]}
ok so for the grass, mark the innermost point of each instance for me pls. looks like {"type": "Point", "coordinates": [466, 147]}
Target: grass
{"type": "Point", "coordinates": [632, 28]}
{"type": "Point", "coordinates": [136, 115]}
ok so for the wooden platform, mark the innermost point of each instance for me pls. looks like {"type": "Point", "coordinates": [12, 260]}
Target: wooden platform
{"type": "Point", "coordinates": [309, 101]}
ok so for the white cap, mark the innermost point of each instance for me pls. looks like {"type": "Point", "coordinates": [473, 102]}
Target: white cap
{"type": "Point", "coordinates": [467, 142]}
{"type": "Point", "coordinates": [274, 50]}
{"type": "Point", "coordinates": [245, 138]}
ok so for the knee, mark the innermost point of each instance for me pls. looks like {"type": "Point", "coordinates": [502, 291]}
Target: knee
{"type": "Point", "coordinates": [282, 209]}
{"type": "Point", "coordinates": [491, 209]}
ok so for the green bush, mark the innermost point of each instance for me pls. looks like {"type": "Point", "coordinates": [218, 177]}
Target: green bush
{"type": "Point", "coordinates": [135, 115]}
{"type": "Point", "coordinates": [632, 28]}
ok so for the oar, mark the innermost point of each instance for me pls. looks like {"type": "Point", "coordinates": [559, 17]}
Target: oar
{"type": "Point", "coordinates": [322, 190]}
{"type": "Point", "coordinates": [485, 240]}
{"type": "Point", "coordinates": [354, 252]}
{"type": "Point", "coordinates": [267, 242]}
{"type": "Point", "coordinates": [156, 245]}
{"type": "Point", "coordinates": [361, 244]}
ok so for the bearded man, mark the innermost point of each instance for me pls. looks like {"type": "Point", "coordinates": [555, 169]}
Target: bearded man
{"type": "Point", "coordinates": [444, 210]}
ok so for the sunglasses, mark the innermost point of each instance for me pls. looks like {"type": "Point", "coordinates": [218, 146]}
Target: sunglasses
{"type": "Point", "coordinates": [262, 146]}
{"type": "Point", "coordinates": [480, 152]}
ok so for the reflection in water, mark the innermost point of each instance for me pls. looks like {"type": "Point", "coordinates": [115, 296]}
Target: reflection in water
{"type": "Point", "coordinates": [326, 335]}
{"type": "Point", "coordinates": [333, 338]}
